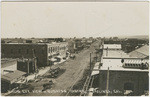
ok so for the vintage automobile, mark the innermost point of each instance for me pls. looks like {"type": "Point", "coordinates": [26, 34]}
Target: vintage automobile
{"type": "Point", "coordinates": [47, 85]}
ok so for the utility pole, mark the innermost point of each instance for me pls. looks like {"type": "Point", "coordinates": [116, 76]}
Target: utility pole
{"type": "Point", "coordinates": [96, 56]}
{"type": "Point", "coordinates": [28, 66]}
{"type": "Point", "coordinates": [90, 63]}
{"type": "Point", "coordinates": [107, 84]}
{"type": "Point", "coordinates": [35, 65]}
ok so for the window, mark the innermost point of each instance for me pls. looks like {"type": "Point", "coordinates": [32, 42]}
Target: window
{"type": "Point", "coordinates": [33, 50]}
{"type": "Point", "coordinates": [55, 49]}
{"type": "Point", "coordinates": [51, 49]}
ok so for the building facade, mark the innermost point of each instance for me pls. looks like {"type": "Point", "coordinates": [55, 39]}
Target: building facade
{"type": "Point", "coordinates": [121, 82]}
{"type": "Point", "coordinates": [42, 51]}
{"type": "Point", "coordinates": [121, 75]}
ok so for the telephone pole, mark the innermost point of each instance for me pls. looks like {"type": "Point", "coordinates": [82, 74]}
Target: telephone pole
{"type": "Point", "coordinates": [90, 64]}
{"type": "Point", "coordinates": [107, 84]}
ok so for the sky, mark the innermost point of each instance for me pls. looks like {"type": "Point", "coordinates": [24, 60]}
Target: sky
{"type": "Point", "coordinates": [74, 19]}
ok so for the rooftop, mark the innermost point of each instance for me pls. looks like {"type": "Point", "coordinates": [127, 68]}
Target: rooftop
{"type": "Point", "coordinates": [112, 46]}
{"type": "Point", "coordinates": [115, 54]}
{"type": "Point", "coordinates": [14, 75]}
{"type": "Point", "coordinates": [117, 65]}
{"type": "Point", "coordinates": [144, 50]}
{"type": "Point", "coordinates": [5, 62]}
{"type": "Point", "coordinates": [95, 70]}
{"type": "Point", "coordinates": [141, 52]}
{"type": "Point", "coordinates": [35, 43]}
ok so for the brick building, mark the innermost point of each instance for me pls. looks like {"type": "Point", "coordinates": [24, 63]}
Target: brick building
{"type": "Point", "coordinates": [42, 51]}
{"type": "Point", "coordinates": [120, 80]}
{"type": "Point", "coordinates": [118, 74]}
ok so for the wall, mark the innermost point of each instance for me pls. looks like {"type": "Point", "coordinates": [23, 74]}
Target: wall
{"type": "Point", "coordinates": [26, 51]}
{"type": "Point", "coordinates": [41, 51]}
{"type": "Point", "coordinates": [117, 79]}
{"type": "Point", "coordinates": [26, 66]}
{"type": "Point", "coordinates": [54, 49]}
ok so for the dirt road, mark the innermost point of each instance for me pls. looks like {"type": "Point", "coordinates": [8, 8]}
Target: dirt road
{"type": "Point", "coordinates": [74, 70]}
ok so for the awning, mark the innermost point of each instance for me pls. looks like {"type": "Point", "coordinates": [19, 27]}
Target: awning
{"type": "Point", "coordinates": [94, 73]}
{"type": "Point", "coordinates": [96, 66]}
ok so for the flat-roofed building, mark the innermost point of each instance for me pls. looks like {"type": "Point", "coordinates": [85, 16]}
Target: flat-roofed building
{"type": "Point", "coordinates": [120, 80]}
{"type": "Point", "coordinates": [115, 54]}
{"type": "Point", "coordinates": [9, 80]}
{"type": "Point", "coordinates": [8, 65]}
{"type": "Point", "coordinates": [120, 75]}
{"type": "Point", "coordinates": [112, 46]}
{"type": "Point", "coordinates": [27, 65]}
{"type": "Point", "coordinates": [42, 51]}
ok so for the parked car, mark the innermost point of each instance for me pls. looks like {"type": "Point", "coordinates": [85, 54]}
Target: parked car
{"type": "Point", "coordinates": [47, 85]}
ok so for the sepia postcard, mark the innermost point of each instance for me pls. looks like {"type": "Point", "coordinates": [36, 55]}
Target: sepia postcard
{"type": "Point", "coordinates": [74, 48]}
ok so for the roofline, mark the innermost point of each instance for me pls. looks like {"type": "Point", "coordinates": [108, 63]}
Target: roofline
{"type": "Point", "coordinates": [122, 58]}
{"type": "Point", "coordinates": [32, 43]}
{"type": "Point", "coordinates": [136, 50]}
{"type": "Point", "coordinates": [139, 70]}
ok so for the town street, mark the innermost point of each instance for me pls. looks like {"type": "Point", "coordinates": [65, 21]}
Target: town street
{"type": "Point", "coordinates": [74, 70]}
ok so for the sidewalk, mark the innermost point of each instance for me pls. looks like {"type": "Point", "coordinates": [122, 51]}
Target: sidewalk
{"type": "Point", "coordinates": [41, 72]}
